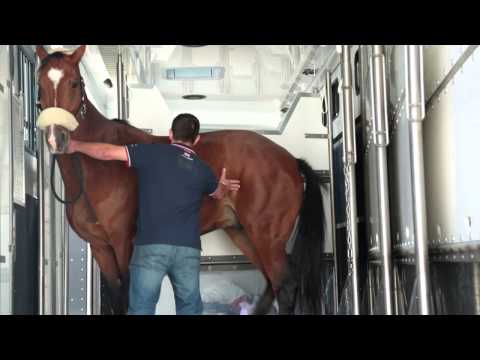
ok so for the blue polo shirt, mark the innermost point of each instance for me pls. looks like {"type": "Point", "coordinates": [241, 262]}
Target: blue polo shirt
{"type": "Point", "coordinates": [172, 184]}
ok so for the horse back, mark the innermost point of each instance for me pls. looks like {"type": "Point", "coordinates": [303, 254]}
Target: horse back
{"type": "Point", "coordinates": [241, 150]}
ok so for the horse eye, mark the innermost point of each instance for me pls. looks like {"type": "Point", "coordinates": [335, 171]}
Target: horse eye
{"type": "Point", "coordinates": [75, 83]}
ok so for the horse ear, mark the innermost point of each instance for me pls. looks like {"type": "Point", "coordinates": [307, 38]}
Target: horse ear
{"type": "Point", "coordinates": [77, 55]}
{"type": "Point", "coordinates": [41, 52]}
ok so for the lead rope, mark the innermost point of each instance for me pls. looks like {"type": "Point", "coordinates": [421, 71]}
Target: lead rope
{"type": "Point", "coordinates": [78, 170]}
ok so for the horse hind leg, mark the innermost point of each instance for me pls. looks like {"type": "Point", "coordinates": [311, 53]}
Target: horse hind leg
{"type": "Point", "coordinates": [286, 294]}
{"type": "Point", "coordinates": [280, 274]}
{"type": "Point", "coordinates": [264, 304]}
{"type": "Point", "coordinates": [240, 239]}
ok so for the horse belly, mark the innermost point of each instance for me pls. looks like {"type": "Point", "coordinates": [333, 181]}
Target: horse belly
{"type": "Point", "coordinates": [112, 202]}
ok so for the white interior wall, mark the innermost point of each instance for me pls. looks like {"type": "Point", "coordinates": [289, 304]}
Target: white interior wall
{"type": "Point", "coordinates": [306, 118]}
{"type": "Point", "coordinates": [94, 73]}
{"type": "Point", "coordinates": [246, 114]}
{"type": "Point", "coordinates": [148, 110]}
{"type": "Point", "coordinates": [450, 134]}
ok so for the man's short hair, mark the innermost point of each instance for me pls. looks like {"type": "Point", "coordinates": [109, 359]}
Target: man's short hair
{"type": "Point", "coordinates": [185, 127]}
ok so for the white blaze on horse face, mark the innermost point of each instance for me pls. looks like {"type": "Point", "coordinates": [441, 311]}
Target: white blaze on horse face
{"type": "Point", "coordinates": [55, 75]}
{"type": "Point", "coordinates": [51, 137]}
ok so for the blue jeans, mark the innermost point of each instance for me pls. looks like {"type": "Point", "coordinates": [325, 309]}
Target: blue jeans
{"type": "Point", "coordinates": [148, 267]}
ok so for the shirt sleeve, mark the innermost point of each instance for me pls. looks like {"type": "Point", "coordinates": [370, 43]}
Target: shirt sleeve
{"type": "Point", "coordinates": [138, 155]}
{"type": "Point", "coordinates": [211, 181]}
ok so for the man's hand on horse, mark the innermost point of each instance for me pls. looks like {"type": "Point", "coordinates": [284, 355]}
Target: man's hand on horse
{"type": "Point", "coordinates": [71, 146]}
{"type": "Point", "coordinates": [225, 185]}
{"type": "Point", "coordinates": [231, 184]}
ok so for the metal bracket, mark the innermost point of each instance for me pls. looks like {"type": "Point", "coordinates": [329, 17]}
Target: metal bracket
{"type": "Point", "coordinates": [324, 176]}
{"type": "Point", "coordinates": [224, 259]}
{"type": "Point", "coordinates": [225, 263]}
{"type": "Point", "coordinates": [316, 136]}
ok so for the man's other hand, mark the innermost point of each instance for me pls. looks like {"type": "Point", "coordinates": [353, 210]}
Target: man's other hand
{"type": "Point", "coordinates": [230, 184]}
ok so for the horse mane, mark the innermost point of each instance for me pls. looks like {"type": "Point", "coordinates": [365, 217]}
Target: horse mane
{"type": "Point", "coordinates": [123, 122]}
{"type": "Point", "coordinates": [120, 121]}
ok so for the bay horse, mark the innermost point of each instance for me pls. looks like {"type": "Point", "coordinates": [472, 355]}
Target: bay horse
{"type": "Point", "coordinates": [276, 190]}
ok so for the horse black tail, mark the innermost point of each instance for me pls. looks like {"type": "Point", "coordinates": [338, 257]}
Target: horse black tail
{"type": "Point", "coordinates": [309, 244]}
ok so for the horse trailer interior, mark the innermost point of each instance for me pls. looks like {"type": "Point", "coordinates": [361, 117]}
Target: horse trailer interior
{"type": "Point", "coordinates": [390, 131]}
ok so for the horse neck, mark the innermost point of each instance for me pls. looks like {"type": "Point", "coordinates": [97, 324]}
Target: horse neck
{"type": "Point", "coordinates": [97, 128]}
{"type": "Point", "coordinates": [91, 124]}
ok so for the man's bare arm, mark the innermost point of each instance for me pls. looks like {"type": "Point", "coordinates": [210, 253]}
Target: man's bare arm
{"type": "Point", "coordinates": [100, 151]}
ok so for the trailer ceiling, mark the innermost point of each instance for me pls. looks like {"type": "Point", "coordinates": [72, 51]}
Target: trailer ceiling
{"type": "Point", "coordinates": [256, 80]}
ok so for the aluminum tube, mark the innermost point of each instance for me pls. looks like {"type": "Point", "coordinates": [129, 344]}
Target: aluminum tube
{"type": "Point", "coordinates": [381, 141]}
{"type": "Point", "coordinates": [96, 291]}
{"type": "Point", "coordinates": [66, 256]}
{"type": "Point", "coordinates": [41, 228]}
{"type": "Point", "coordinates": [396, 292]}
{"type": "Point", "coordinates": [416, 114]}
{"type": "Point", "coordinates": [89, 287]}
{"type": "Point", "coordinates": [420, 217]}
{"type": "Point", "coordinates": [370, 290]}
{"type": "Point", "coordinates": [476, 286]}
{"type": "Point", "coordinates": [119, 86]}
{"type": "Point", "coordinates": [122, 74]}
{"type": "Point", "coordinates": [386, 243]}
{"type": "Point", "coordinates": [328, 89]}
{"type": "Point", "coordinates": [354, 235]}
{"type": "Point", "coordinates": [350, 158]}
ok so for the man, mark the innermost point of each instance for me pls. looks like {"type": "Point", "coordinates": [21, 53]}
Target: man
{"type": "Point", "coordinates": [172, 183]}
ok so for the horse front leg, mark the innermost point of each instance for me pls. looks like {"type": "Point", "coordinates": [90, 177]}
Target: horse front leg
{"type": "Point", "coordinates": [105, 257]}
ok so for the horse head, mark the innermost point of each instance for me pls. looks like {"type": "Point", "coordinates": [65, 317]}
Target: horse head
{"type": "Point", "coordinates": [61, 96]}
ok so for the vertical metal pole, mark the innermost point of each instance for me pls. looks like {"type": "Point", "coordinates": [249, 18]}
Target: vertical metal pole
{"type": "Point", "coordinates": [11, 208]}
{"type": "Point", "coordinates": [381, 140]}
{"type": "Point", "coordinates": [124, 89]}
{"type": "Point", "coordinates": [66, 257]}
{"type": "Point", "coordinates": [396, 290]}
{"type": "Point", "coordinates": [127, 99]}
{"type": "Point", "coordinates": [476, 286]}
{"type": "Point", "coordinates": [89, 269]}
{"type": "Point", "coordinates": [120, 85]}
{"type": "Point", "coordinates": [48, 297]}
{"type": "Point", "coordinates": [328, 89]}
{"type": "Point", "coordinates": [370, 291]}
{"type": "Point", "coordinates": [350, 159]}
{"type": "Point", "coordinates": [97, 288]}
{"type": "Point", "coordinates": [124, 93]}
{"type": "Point", "coordinates": [415, 104]}
{"type": "Point", "coordinates": [41, 197]}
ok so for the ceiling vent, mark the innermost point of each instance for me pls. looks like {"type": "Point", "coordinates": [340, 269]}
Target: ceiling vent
{"type": "Point", "coordinates": [194, 97]}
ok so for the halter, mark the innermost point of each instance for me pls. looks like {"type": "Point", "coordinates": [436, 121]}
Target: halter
{"type": "Point", "coordinates": [76, 159]}
{"type": "Point", "coordinates": [83, 105]}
